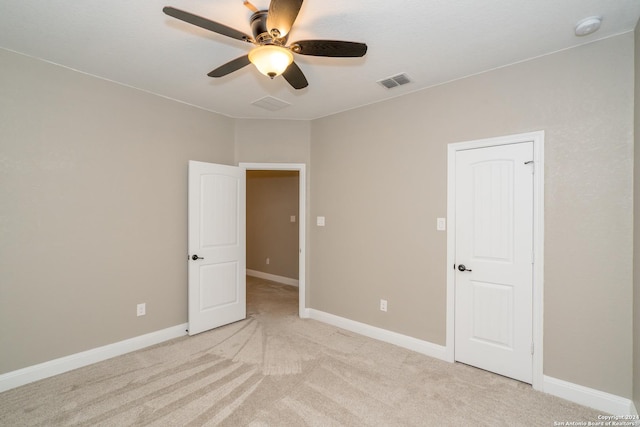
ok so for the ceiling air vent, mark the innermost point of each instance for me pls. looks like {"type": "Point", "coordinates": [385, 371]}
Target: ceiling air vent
{"type": "Point", "coordinates": [270, 103]}
{"type": "Point", "coordinates": [395, 81]}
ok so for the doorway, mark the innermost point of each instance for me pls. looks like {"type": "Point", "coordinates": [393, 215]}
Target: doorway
{"type": "Point", "coordinates": [495, 197]}
{"type": "Point", "coordinates": [272, 225]}
{"type": "Point", "coordinates": [300, 220]}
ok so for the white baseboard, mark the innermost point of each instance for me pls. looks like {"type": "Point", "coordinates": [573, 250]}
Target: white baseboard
{"type": "Point", "coordinates": [280, 279]}
{"type": "Point", "coordinates": [599, 400]}
{"type": "Point", "coordinates": [305, 313]}
{"type": "Point", "coordinates": [68, 363]}
{"type": "Point", "coordinates": [425, 347]}
{"type": "Point", "coordinates": [602, 401]}
{"type": "Point", "coordinates": [596, 399]}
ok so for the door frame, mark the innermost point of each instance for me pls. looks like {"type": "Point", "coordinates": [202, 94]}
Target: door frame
{"type": "Point", "coordinates": [538, 241]}
{"type": "Point", "coordinates": [303, 312]}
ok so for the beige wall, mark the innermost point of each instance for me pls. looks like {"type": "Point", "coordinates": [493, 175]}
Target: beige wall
{"type": "Point", "coordinates": [636, 228]}
{"type": "Point", "coordinates": [276, 141]}
{"type": "Point", "coordinates": [93, 179]}
{"type": "Point", "coordinates": [272, 198]}
{"type": "Point", "coordinates": [378, 174]}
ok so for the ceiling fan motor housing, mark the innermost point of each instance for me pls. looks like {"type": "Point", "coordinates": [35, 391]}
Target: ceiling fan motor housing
{"type": "Point", "coordinates": [260, 32]}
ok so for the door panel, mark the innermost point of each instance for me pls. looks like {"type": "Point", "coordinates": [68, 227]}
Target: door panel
{"type": "Point", "coordinates": [494, 240]}
{"type": "Point", "coordinates": [213, 292]}
{"type": "Point", "coordinates": [217, 281]}
{"type": "Point", "coordinates": [493, 208]}
{"type": "Point", "coordinates": [492, 309]}
{"type": "Point", "coordinates": [219, 227]}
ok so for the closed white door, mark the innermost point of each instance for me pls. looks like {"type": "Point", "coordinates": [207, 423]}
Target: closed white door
{"type": "Point", "coordinates": [494, 259]}
{"type": "Point", "coordinates": [217, 266]}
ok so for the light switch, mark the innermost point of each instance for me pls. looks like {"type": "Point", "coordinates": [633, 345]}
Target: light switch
{"type": "Point", "coordinates": [292, 218]}
{"type": "Point", "coordinates": [441, 224]}
{"type": "Point", "coordinates": [320, 221]}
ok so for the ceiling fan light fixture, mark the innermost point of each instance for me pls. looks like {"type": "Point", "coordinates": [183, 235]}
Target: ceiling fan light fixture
{"type": "Point", "coordinates": [271, 60]}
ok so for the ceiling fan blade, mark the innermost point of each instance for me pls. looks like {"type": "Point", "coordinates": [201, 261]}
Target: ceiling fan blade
{"type": "Point", "coordinates": [333, 48]}
{"type": "Point", "coordinates": [294, 75]}
{"type": "Point", "coordinates": [207, 24]}
{"type": "Point", "coordinates": [282, 15]}
{"type": "Point", "coordinates": [230, 66]}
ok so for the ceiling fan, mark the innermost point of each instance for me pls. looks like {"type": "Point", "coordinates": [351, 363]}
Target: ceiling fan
{"type": "Point", "coordinates": [272, 56]}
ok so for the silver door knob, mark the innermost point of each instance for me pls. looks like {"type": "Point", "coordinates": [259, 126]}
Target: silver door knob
{"type": "Point", "coordinates": [462, 267]}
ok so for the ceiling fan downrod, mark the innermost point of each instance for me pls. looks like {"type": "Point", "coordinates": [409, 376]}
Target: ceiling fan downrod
{"type": "Point", "coordinates": [250, 6]}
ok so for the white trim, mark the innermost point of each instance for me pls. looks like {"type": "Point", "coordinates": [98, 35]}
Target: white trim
{"type": "Point", "coordinates": [78, 360]}
{"type": "Point", "coordinates": [425, 347]}
{"type": "Point", "coordinates": [302, 223]}
{"type": "Point", "coordinates": [274, 278]}
{"type": "Point", "coordinates": [538, 256]}
{"type": "Point", "coordinates": [306, 313]}
{"type": "Point", "coordinates": [451, 251]}
{"type": "Point", "coordinates": [596, 399]}
{"type": "Point", "coordinates": [538, 240]}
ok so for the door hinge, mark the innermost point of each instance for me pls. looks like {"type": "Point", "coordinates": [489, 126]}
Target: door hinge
{"type": "Point", "coordinates": [532, 348]}
{"type": "Point", "coordinates": [533, 165]}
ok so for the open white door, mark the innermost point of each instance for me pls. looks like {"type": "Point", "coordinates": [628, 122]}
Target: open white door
{"type": "Point", "coordinates": [217, 282]}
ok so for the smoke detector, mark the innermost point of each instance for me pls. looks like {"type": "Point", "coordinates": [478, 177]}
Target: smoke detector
{"type": "Point", "coordinates": [588, 26]}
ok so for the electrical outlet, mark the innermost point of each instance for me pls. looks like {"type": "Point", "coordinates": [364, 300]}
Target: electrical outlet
{"type": "Point", "coordinates": [383, 305]}
{"type": "Point", "coordinates": [268, 261]}
{"type": "Point", "coordinates": [141, 309]}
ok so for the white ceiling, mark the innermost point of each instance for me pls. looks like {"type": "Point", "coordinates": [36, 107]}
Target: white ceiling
{"type": "Point", "coordinates": [434, 41]}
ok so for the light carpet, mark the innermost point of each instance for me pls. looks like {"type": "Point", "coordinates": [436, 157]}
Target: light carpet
{"type": "Point", "coordinates": [275, 369]}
